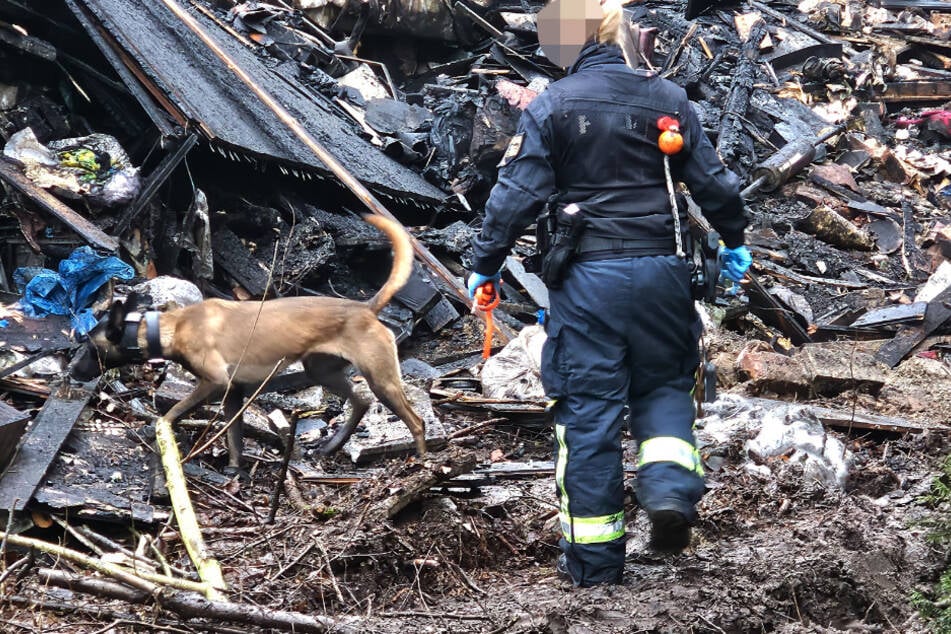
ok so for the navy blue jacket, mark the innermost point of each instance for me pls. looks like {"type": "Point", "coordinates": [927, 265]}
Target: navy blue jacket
{"type": "Point", "coordinates": [591, 138]}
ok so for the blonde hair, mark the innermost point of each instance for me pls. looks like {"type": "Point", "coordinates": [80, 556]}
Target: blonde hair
{"type": "Point", "coordinates": [609, 32]}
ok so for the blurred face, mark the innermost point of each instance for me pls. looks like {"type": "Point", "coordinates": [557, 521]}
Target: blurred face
{"type": "Point", "coordinates": [564, 26]}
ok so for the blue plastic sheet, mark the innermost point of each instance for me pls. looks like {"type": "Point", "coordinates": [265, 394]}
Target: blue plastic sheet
{"type": "Point", "coordinates": [71, 290]}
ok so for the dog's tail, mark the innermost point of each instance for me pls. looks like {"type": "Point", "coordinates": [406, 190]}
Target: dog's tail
{"type": "Point", "coordinates": [402, 260]}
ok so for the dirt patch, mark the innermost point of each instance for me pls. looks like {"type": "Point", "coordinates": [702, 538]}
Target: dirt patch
{"type": "Point", "coordinates": [774, 551]}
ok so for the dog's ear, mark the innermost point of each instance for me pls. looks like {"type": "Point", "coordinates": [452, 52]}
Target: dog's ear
{"type": "Point", "coordinates": [115, 323]}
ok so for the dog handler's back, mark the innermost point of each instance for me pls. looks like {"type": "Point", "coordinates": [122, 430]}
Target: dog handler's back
{"type": "Point", "coordinates": [622, 328]}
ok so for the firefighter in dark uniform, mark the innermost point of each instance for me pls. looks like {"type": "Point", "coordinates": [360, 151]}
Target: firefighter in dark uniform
{"type": "Point", "coordinates": [622, 327]}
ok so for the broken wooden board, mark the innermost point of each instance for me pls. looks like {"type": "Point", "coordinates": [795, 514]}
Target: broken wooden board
{"type": "Point", "coordinates": [937, 293]}
{"type": "Point", "coordinates": [420, 295]}
{"type": "Point", "coordinates": [767, 308]}
{"type": "Point", "coordinates": [795, 48]}
{"type": "Point", "coordinates": [62, 212]}
{"type": "Point", "coordinates": [849, 420]}
{"type": "Point", "coordinates": [235, 258]}
{"type": "Point", "coordinates": [891, 315]}
{"type": "Point", "coordinates": [40, 446]}
{"type": "Point", "coordinates": [37, 335]}
{"type": "Point", "coordinates": [99, 505]}
{"type": "Point", "coordinates": [532, 284]}
{"type": "Point", "coordinates": [917, 90]}
{"type": "Point", "coordinates": [939, 311]}
{"type": "Point", "coordinates": [12, 425]}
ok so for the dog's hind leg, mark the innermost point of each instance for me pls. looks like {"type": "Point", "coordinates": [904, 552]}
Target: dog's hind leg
{"type": "Point", "coordinates": [381, 368]}
{"type": "Point", "coordinates": [331, 372]}
{"type": "Point", "coordinates": [389, 390]}
{"type": "Point", "coordinates": [234, 399]}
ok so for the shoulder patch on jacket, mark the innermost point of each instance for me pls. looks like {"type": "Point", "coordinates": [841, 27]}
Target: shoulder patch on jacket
{"type": "Point", "coordinates": [512, 150]}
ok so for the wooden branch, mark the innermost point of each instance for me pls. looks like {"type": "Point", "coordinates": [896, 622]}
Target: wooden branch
{"type": "Point", "coordinates": [99, 566]}
{"type": "Point", "coordinates": [91, 585]}
{"type": "Point", "coordinates": [433, 473]}
{"type": "Point", "coordinates": [188, 604]}
{"type": "Point", "coordinates": [195, 606]}
{"type": "Point", "coordinates": [209, 570]}
{"type": "Point", "coordinates": [142, 580]}
{"type": "Point", "coordinates": [105, 542]}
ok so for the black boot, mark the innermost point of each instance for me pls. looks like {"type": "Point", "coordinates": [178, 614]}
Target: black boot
{"type": "Point", "coordinates": [670, 531]}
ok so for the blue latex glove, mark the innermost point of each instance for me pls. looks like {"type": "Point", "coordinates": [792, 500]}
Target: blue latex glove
{"type": "Point", "coordinates": [735, 262]}
{"type": "Point", "coordinates": [477, 279]}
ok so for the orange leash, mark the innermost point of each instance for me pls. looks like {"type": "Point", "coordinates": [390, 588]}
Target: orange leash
{"type": "Point", "coordinates": [486, 299]}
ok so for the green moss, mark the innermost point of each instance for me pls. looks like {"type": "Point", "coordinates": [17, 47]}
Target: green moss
{"type": "Point", "coordinates": [936, 604]}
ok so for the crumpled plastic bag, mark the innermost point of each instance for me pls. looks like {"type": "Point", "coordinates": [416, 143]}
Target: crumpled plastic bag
{"type": "Point", "coordinates": [803, 439]}
{"type": "Point", "coordinates": [93, 168]}
{"type": "Point", "coordinates": [71, 290]}
{"type": "Point", "coordinates": [515, 371]}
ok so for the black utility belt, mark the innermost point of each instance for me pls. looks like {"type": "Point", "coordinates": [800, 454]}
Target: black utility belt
{"type": "Point", "coordinates": [602, 248]}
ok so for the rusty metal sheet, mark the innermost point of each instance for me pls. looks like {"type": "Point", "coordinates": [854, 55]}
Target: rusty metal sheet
{"type": "Point", "coordinates": [187, 78]}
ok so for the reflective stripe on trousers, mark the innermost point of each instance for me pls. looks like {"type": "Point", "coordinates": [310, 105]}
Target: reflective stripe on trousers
{"type": "Point", "coordinates": [582, 530]}
{"type": "Point", "coordinates": [670, 449]}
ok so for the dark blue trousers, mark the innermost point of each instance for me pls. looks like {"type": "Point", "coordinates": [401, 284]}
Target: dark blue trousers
{"type": "Point", "coordinates": [622, 333]}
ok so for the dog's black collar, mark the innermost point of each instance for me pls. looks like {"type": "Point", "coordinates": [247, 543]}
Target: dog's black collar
{"type": "Point", "coordinates": [130, 334]}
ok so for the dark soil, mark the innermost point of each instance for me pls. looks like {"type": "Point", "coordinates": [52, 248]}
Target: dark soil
{"type": "Point", "coordinates": [774, 550]}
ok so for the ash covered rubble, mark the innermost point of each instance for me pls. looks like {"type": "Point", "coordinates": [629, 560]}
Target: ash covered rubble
{"type": "Point", "coordinates": [836, 114]}
{"type": "Point", "coordinates": [831, 111]}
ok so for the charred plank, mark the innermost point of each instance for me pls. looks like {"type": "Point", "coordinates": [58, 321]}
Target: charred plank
{"type": "Point", "coordinates": [40, 446]}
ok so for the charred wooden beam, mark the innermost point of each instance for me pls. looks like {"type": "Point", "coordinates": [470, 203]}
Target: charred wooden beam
{"type": "Point", "coordinates": [734, 112]}
{"type": "Point", "coordinates": [50, 428]}
{"type": "Point", "coordinates": [768, 308]}
{"type": "Point", "coordinates": [12, 425]}
{"type": "Point", "coordinates": [27, 43]}
{"type": "Point", "coordinates": [793, 23]}
{"type": "Point", "coordinates": [106, 46]}
{"type": "Point", "coordinates": [239, 262]}
{"type": "Point", "coordinates": [924, 5]}
{"type": "Point", "coordinates": [48, 202]}
{"type": "Point", "coordinates": [155, 180]}
{"type": "Point", "coordinates": [918, 90]}
{"type": "Point", "coordinates": [938, 312]}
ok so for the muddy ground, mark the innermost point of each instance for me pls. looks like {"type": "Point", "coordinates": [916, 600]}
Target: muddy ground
{"type": "Point", "coordinates": [775, 550]}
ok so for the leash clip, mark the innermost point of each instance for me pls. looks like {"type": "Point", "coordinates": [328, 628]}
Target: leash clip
{"type": "Point", "coordinates": [486, 299]}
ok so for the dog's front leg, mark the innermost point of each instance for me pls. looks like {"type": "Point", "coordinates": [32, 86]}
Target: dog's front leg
{"type": "Point", "coordinates": [202, 392]}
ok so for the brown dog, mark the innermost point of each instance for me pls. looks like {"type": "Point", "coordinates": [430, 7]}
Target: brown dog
{"type": "Point", "coordinates": [241, 344]}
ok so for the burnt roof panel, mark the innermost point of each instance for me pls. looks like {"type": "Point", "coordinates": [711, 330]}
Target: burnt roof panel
{"type": "Point", "coordinates": [193, 80]}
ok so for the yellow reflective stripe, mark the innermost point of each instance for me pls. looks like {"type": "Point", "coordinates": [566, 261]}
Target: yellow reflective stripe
{"type": "Point", "coordinates": [592, 530]}
{"type": "Point", "coordinates": [670, 449]}
{"type": "Point", "coordinates": [560, 464]}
